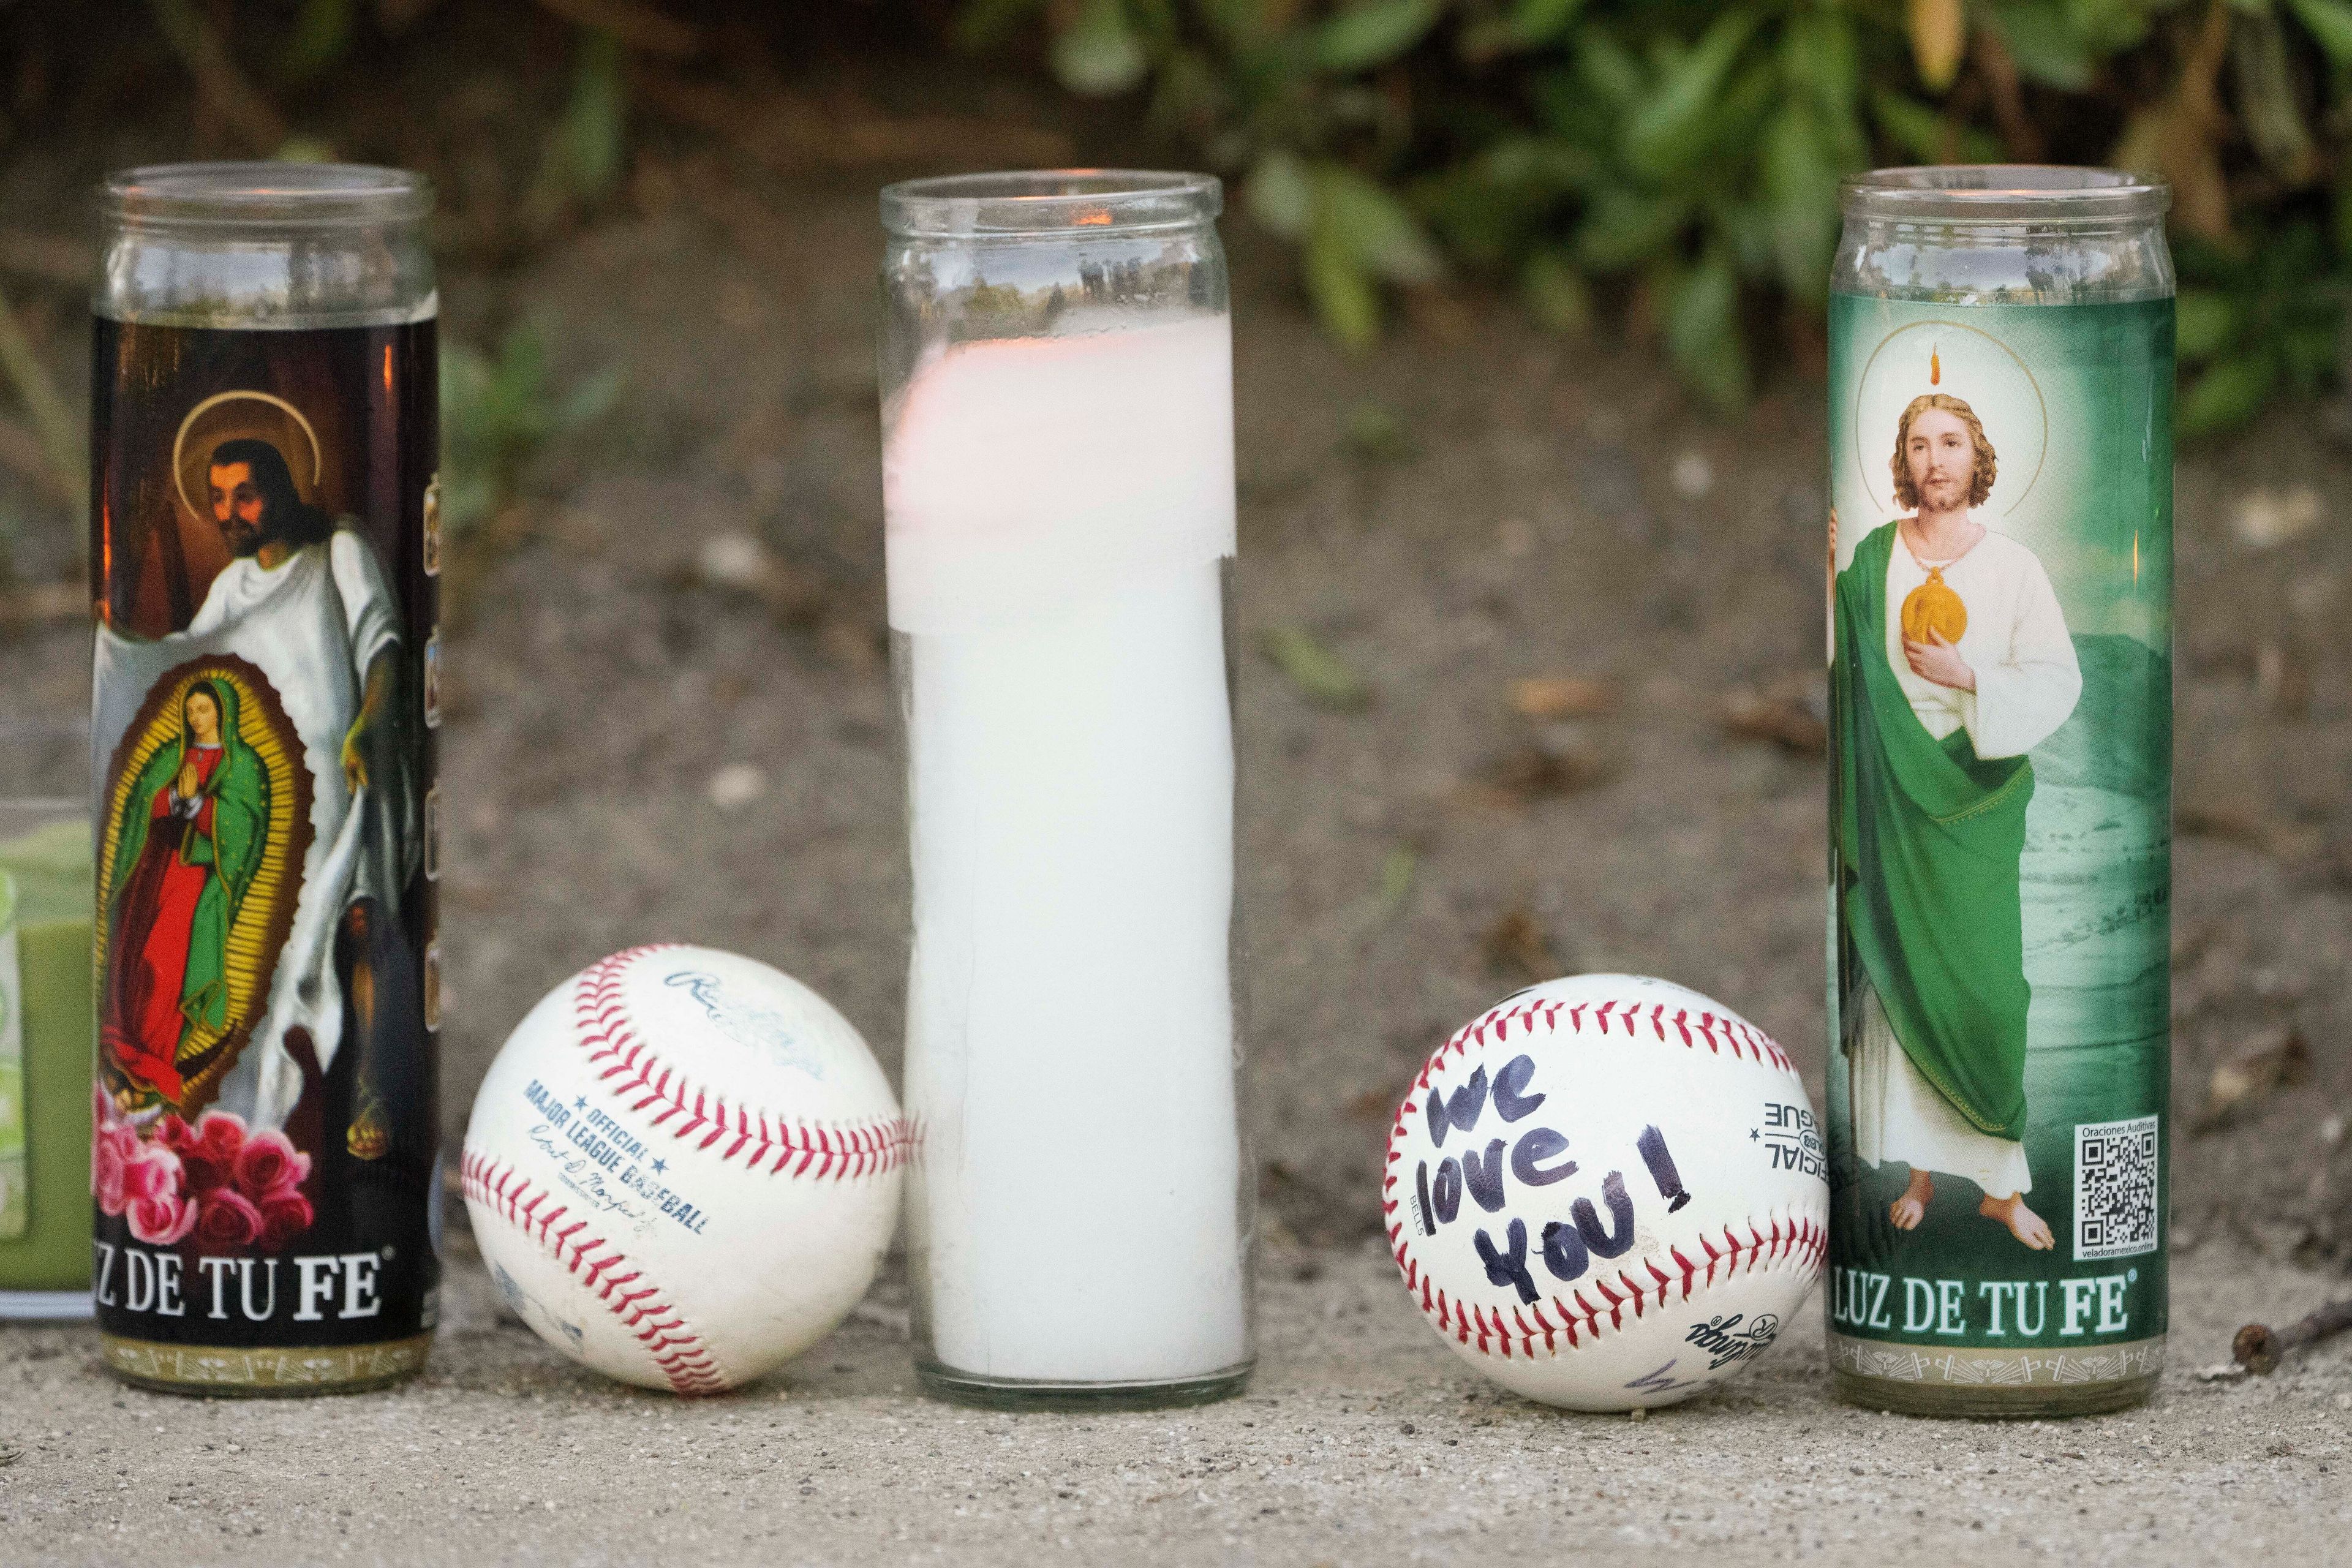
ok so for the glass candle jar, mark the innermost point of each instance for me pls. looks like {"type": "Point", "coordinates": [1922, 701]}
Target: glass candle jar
{"type": "Point", "coordinates": [2001, 636]}
{"type": "Point", "coordinates": [266, 550]}
{"type": "Point", "coordinates": [47, 1034]}
{"type": "Point", "coordinates": [1058, 489]}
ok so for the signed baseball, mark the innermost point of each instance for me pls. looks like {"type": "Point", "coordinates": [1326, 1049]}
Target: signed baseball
{"type": "Point", "coordinates": [683, 1168]}
{"type": "Point", "coordinates": [1607, 1191]}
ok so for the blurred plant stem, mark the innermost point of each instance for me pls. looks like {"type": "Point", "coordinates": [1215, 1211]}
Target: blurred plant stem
{"type": "Point", "coordinates": [223, 88]}
{"type": "Point", "coordinates": [53, 422]}
{"type": "Point", "coordinates": [498, 409]}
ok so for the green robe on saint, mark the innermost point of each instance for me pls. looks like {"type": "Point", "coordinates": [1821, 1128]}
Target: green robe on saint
{"type": "Point", "coordinates": [1929, 836]}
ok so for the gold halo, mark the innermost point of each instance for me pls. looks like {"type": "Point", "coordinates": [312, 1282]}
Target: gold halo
{"type": "Point", "coordinates": [179, 441]}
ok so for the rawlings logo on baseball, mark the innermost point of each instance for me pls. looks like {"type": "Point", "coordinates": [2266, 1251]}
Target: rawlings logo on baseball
{"type": "Point", "coordinates": [683, 1168]}
{"type": "Point", "coordinates": [1606, 1192]}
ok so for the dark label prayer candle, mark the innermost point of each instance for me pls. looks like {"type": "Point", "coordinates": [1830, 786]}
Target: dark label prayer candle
{"type": "Point", "coordinates": [265, 1159]}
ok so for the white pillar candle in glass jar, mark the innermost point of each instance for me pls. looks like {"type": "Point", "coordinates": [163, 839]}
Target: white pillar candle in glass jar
{"type": "Point", "coordinates": [1057, 473]}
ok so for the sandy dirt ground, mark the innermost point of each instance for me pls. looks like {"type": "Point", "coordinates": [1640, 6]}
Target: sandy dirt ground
{"type": "Point", "coordinates": [636, 753]}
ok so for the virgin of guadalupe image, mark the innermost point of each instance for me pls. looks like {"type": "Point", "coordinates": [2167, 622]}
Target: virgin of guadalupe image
{"type": "Point", "coordinates": [304, 604]}
{"type": "Point", "coordinates": [193, 830]}
{"type": "Point", "coordinates": [1952, 661]}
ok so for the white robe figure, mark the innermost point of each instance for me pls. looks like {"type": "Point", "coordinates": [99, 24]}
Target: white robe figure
{"type": "Point", "coordinates": [313, 624]}
{"type": "Point", "coordinates": [2027, 681]}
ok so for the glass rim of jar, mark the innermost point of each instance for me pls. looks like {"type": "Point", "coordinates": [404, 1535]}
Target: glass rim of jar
{"type": "Point", "coordinates": [1027, 204]}
{"type": "Point", "coordinates": [2041, 194]}
{"type": "Point", "coordinates": [265, 195]}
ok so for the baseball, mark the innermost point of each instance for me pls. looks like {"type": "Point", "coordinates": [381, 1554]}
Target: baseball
{"type": "Point", "coordinates": [683, 1168]}
{"type": "Point", "coordinates": [1607, 1191]}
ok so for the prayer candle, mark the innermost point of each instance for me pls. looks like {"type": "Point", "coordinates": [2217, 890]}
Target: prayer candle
{"type": "Point", "coordinates": [263, 734]}
{"type": "Point", "coordinates": [1060, 538]}
{"type": "Point", "coordinates": [2001, 770]}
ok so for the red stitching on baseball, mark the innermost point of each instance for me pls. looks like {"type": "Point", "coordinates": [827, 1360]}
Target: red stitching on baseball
{"type": "Point", "coordinates": [1744, 1040]}
{"type": "Point", "coordinates": [1801, 1242]}
{"type": "Point", "coordinates": [660, 1327]}
{"type": "Point", "coordinates": [641, 1079]}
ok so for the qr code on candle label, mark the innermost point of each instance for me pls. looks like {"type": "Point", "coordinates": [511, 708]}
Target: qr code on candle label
{"type": "Point", "coordinates": [2116, 1210]}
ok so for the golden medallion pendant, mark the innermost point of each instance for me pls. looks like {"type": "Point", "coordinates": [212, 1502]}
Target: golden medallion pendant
{"type": "Point", "coordinates": [1932, 606]}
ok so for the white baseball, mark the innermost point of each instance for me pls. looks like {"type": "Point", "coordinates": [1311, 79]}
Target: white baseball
{"type": "Point", "coordinates": [1607, 1191]}
{"type": "Point", "coordinates": [683, 1168]}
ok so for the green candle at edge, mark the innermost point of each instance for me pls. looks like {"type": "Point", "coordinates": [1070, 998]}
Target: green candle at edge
{"type": "Point", "coordinates": [51, 873]}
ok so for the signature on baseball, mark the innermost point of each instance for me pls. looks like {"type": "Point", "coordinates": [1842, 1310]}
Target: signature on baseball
{"type": "Point", "coordinates": [1535, 1159]}
{"type": "Point", "coordinates": [1733, 1338]}
{"type": "Point", "coordinates": [752, 1026]}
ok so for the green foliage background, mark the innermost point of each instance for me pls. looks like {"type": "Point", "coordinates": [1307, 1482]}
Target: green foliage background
{"type": "Point", "coordinates": [1679, 160]}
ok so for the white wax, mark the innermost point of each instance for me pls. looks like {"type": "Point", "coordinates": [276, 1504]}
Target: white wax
{"type": "Point", "coordinates": [1059, 513]}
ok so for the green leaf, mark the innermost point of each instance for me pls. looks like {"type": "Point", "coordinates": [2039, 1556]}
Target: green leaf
{"type": "Point", "coordinates": [1622, 228]}
{"type": "Point", "coordinates": [1376, 229]}
{"type": "Point", "coordinates": [1703, 332]}
{"type": "Point", "coordinates": [981, 25]}
{"type": "Point", "coordinates": [1099, 54]}
{"type": "Point", "coordinates": [1555, 294]}
{"type": "Point", "coordinates": [1533, 22]}
{"type": "Point", "coordinates": [321, 36]}
{"type": "Point", "coordinates": [300, 149]}
{"type": "Point", "coordinates": [1609, 72]}
{"type": "Point", "coordinates": [1668, 132]}
{"type": "Point", "coordinates": [1373, 33]}
{"type": "Point", "coordinates": [1820, 58]}
{"type": "Point", "coordinates": [1374, 432]}
{"type": "Point", "coordinates": [1546, 163]}
{"type": "Point", "coordinates": [1800, 187]}
{"type": "Point", "coordinates": [1322, 677]}
{"type": "Point", "coordinates": [2228, 396]}
{"type": "Point", "coordinates": [1345, 300]}
{"type": "Point", "coordinates": [2311, 354]}
{"type": "Point", "coordinates": [2205, 320]}
{"type": "Point", "coordinates": [2042, 41]}
{"type": "Point", "coordinates": [2329, 22]}
{"type": "Point", "coordinates": [1280, 194]}
{"type": "Point", "coordinates": [1927, 135]}
{"type": "Point", "coordinates": [594, 133]}
{"type": "Point", "coordinates": [1237, 22]}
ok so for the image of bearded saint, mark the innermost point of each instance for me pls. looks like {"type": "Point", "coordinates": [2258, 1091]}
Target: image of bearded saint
{"type": "Point", "coordinates": [304, 599]}
{"type": "Point", "coordinates": [1951, 660]}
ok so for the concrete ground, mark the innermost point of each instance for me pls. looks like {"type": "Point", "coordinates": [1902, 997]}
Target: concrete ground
{"type": "Point", "coordinates": [1363, 1440]}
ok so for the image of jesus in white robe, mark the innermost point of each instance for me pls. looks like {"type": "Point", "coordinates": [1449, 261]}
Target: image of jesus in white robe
{"type": "Point", "coordinates": [319, 619]}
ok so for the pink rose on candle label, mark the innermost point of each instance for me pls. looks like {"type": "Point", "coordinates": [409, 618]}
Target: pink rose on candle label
{"type": "Point", "coordinates": [226, 1218]}
{"type": "Point", "coordinates": [163, 1220]}
{"type": "Point", "coordinates": [285, 1214]}
{"type": "Point", "coordinates": [268, 1163]}
{"type": "Point", "coordinates": [232, 1186]}
{"type": "Point", "coordinates": [149, 1172]}
{"type": "Point", "coordinates": [112, 1151]}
